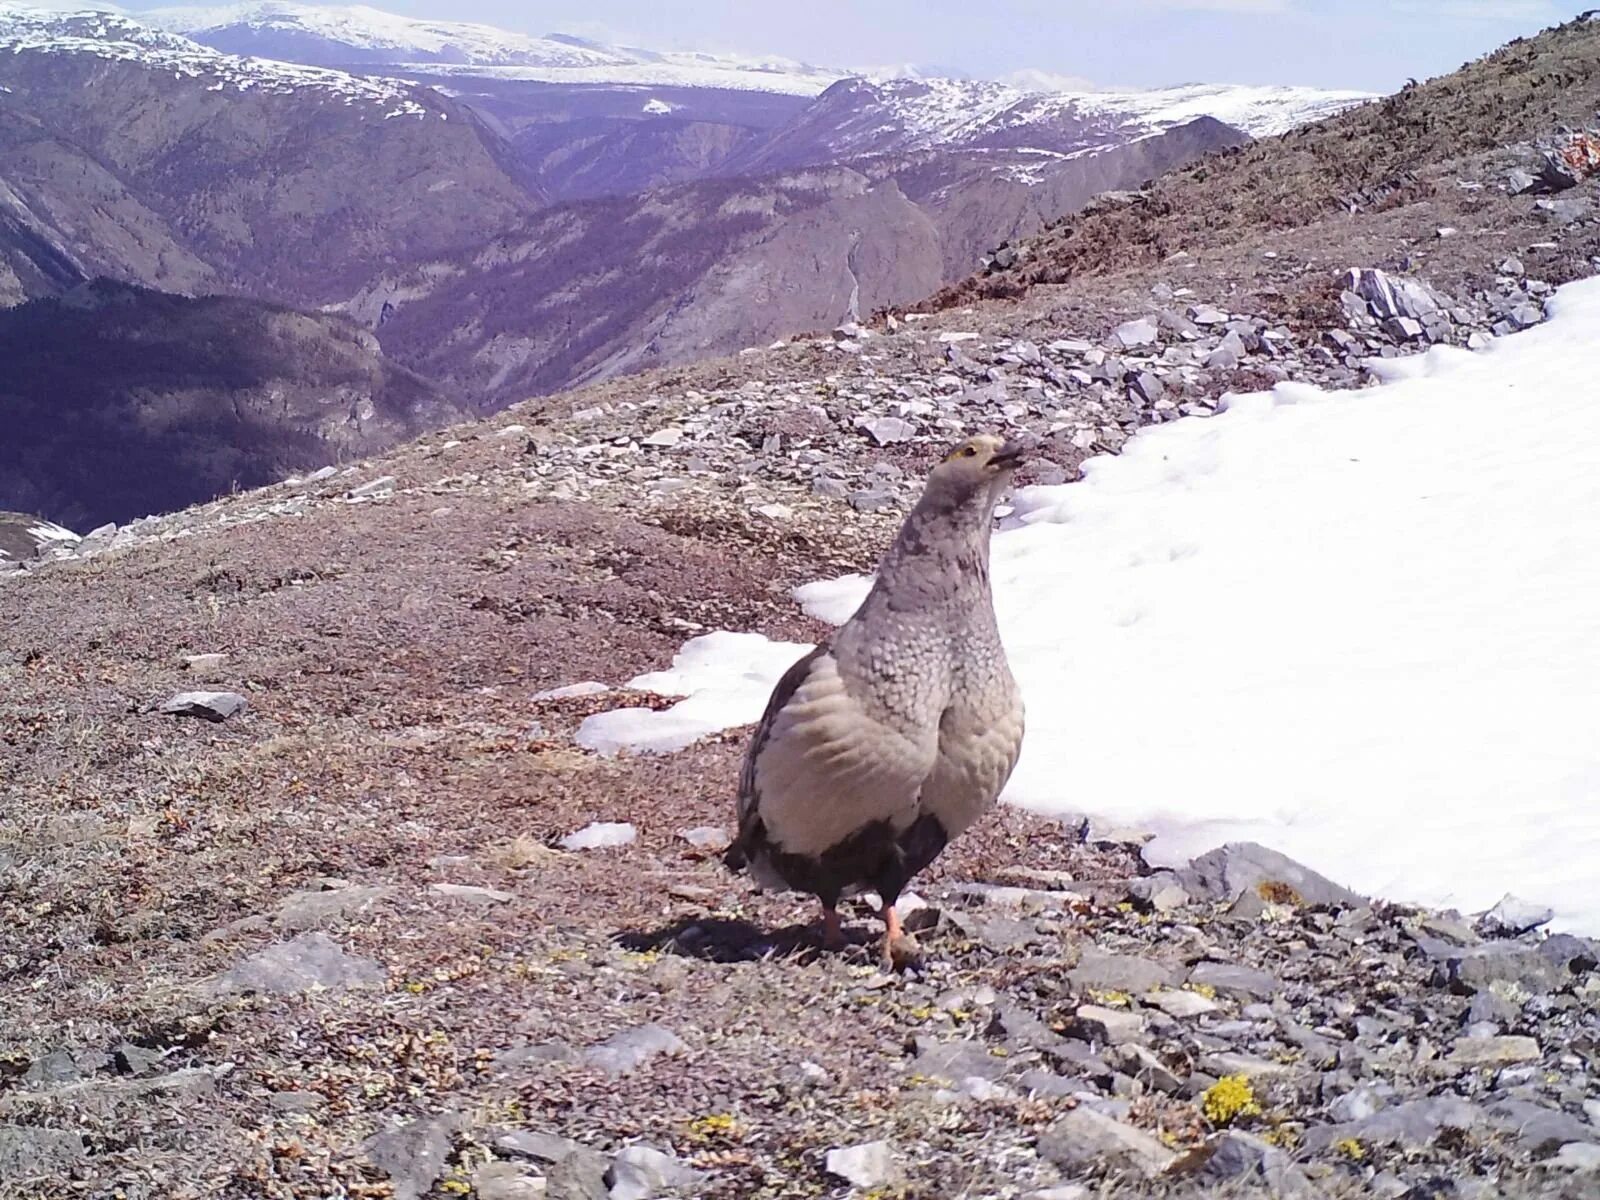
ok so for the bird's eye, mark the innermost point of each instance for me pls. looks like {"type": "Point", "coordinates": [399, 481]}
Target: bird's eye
{"type": "Point", "coordinates": [968, 451]}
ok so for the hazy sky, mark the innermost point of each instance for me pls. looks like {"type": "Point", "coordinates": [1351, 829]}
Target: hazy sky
{"type": "Point", "coordinates": [1371, 44]}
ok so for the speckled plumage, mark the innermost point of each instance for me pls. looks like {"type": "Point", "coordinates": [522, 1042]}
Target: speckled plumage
{"type": "Point", "coordinates": [899, 732]}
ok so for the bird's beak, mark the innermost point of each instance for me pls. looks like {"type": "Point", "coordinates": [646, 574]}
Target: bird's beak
{"type": "Point", "coordinates": [1010, 455]}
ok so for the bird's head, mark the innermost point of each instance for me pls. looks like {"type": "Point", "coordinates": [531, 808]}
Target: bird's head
{"type": "Point", "coordinates": [977, 463]}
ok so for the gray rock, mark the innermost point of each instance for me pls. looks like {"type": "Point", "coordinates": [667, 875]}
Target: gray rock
{"type": "Point", "coordinates": [30, 1153]}
{"type": "Point", "coordinates": [599, 835]}
{"type": "Point", "coordinates": [204, 666]}
{"type": "Point", "coordinates": [1228, 1063]}
{"type": "Point", "coordinates": [1239, 1156]}
{"type": "Point", "coordinates": [1512, 916]}
{"type": "Point", "coordinates": [1204, 314]}
{"type": "Point", "coordinates": [1512, 265]}
{"type": "Point", "coordinates": [625, 1052]}
{"type": "Point", "coordinates": [136, 1060]}
{"type": "Point", "coordinates": [312, 960]}
{"type": "Point", "coordinates": [1539, 1129]}
{"type": "Point", "coordinates": [506, 1181]}
{"type": "Point", "coordinates": [413, 1155]}
{"type": "Point", "coordinates": [1473, 968]}
{"type": "Point", "coordinates": [1084, 1138]}
{"type": "Point", "coordinates": [1561, 212]}
{"type": "Point", "coordinates": [1101, 971]}
{"type": "Point", "coordinates": [1179, 1003]}
{"type": "Point", "coordinates": [1520, 182]}
{"type": "Point", "coordinates": [1403, 329]}
{"type": "Point", "coordinates": [581, 1175]}
{"type": "Point", "coordinates": [1526, 316]}
{"type": "Point", "coordinates": [1412, 1123]}
{"type": "Point", "coordinates": [1066, 1191]}
{"type": "Point", "coordinates": [296, 1102]}
{"type": "Point", "coordinates": [1146, 386]}
{"type": "Point", "coordinates": [867, 1166]}
{"type": "Point", "coordinates": [543, 1052]}
{"type": "Point", "coordinates": [955, 1061]}
{"type": "Point", "coordinates": [1224, 873]}
{"type": "Point", "coordinates": [1391, 296]}
{"type": "Point", "coordinates": [312, 907]}
{"type": "Point", "coordinates": [1131, 334]}
{"type": "Point", "coordinates": [469, 894]}
{"type": "Point", "coordinates": [640, 1172]}
{"type": "Point", "coordinates": [538, 1147]}
{"type": "Point", "coordinates": [1109, 1026]}
{"type": "Point", "coordinates": [1138, 1063]}
{"type": "Point", "coordinates": [886, 431]}
{"type": "Point", "coordinates": [1494, 1051]}
{"type": "Point", "coordinates": [1237, 981]}
{"type": "Point", "coordinates": [208, 706]}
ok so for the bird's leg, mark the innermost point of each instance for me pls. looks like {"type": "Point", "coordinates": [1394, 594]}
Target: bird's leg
{"type": "Point", "coordinates": [832, 928]}
{"type": "Point", "coordinates": [900, 949]}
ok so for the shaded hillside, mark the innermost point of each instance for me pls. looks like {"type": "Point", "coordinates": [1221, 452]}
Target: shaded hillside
{"type": "Point", "coordinates": [1380, 157]}
{"type": "Point", "coordinates": [587, 291]}
{"type": "Point", "coordinates": [141, 155]}
{"type": "Point", "coordinates": [118, 401]}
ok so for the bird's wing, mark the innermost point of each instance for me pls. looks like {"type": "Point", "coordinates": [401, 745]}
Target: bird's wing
{"type": "Point", "coordinates": [821, 766]}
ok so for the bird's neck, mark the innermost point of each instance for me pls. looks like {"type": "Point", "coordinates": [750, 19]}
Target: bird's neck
{"type": "Point", "coordinates": [942, 551]}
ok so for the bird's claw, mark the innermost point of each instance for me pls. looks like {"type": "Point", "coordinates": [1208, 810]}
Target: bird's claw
{"type": "Point", "coordinates": [901, 950]}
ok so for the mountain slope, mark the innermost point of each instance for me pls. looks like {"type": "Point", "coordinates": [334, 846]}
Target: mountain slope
{"type": "Point", "coordinates": [119, 401]}
{"type": "Point", "coordinates": [1422, 145]}
{"type": "Point", "coordinates": [289, 181]}
{"type": "Point", "coordinates": [586, 291]}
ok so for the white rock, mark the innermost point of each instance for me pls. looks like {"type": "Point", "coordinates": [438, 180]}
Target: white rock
{"type": "Point", "coordinates": [382, 486]}
{"type": "Point", "coordinates": [664, 437]}
{"type": "Point", "coordinates": [1513, 916]}
{"type": "Point", "coordinates": [599, 835]}
{"type": "Point", "coordinates": [512, 431]}
{"type": "Point", "coordinates": [470, 894]}
{"type": "Point", "coordinates": [1136, 333]}
{"type": "Point", "coordinates": [867, 1166]}
{"type": "Point", "coordinates": [1578, 1156]}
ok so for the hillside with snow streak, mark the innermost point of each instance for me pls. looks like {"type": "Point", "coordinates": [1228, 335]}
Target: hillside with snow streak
{"type": "Point", "coordinates": [1356, 626]}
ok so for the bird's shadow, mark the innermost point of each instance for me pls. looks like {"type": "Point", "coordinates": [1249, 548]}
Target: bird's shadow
{"type": "Point", "coordinates": [730, 940]}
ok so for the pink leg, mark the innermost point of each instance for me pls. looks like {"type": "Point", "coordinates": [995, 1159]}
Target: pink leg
{"type": "Point", "coordinates": [900, 949]}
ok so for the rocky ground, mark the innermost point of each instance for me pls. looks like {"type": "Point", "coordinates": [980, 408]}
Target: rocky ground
{"type": "Point", "coordinates": [340, 943]}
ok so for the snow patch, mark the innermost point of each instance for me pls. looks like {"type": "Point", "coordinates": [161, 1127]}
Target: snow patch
{"type": "Point", "coordinates": [1355, 626]}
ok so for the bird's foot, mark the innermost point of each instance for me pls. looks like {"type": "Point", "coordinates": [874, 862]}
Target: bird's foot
{"type": "Point", "coordinates": [832, 929]}
{"type": "Point", "coordinates": [900, 948]}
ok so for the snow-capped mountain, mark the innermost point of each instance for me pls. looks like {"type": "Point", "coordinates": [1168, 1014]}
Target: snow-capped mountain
{"type": "Point", "coordinates": [859, 117]}
{"type": "Point", "coordinates": [107, 35]}
{"type": "Point", "coordinates": [356, 35]}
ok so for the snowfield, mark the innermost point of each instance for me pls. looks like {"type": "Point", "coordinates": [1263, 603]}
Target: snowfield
{"type": "Point", "coordinates": [1360, 627]}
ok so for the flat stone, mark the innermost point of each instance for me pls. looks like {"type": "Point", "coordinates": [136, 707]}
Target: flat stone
{"type": "Point", "coordinates": [1233, 980]}
{"type": "Point", "coordinates": [712, 838]}
{"type": "Point", "coordinates": [1413, 1123]}
{"type": "Point", "coordinates": [383, 486]}
{"type": "Point", "coordinates": [1101, 971]}
{"type": "Point", "coordinates": [1136, 333]}
{"type": "Point", "coordinates": [954, 1061]}
{"type": "Point", "coordinates": [313, 907]}
{"type": "Point", "coordinates": [413, 1155]}
{"type": "Point", "coordinates": [867, 1166]}
{"type": "Point", "coordinates": [1250, 1067]}
{"type": "Point", "coordinates": [581, 1175]}
{"type": "Point", "coordinates": [1539, 1129]}
{"type": "Point", "coordinates": [1110, 1026]}
{"type": "Point", "coordinates": [1179, 1003]}
{"type": "Point", "coordinates": [204, 666]}
{"type": "Point", "coordinates": [886, 431]}
{"type": "Point", "coordinates": [296, 1102]}
{"type": "Point", "coordinates": [311, 960]}
{"type": "Point", "coordinates": [625, 1052]}
{"type": "Point", "coordinates": [469, 894]}
{"type": "Point", "coordinates": [507, 1181]}
{"type": "Point", "coordinates": [663, 437]}
{"type": "Point", "coordinates": [1494, 1051]}
{"type": "Point", "coordinates": [208, 706]}
{"type": "Point", "coordinates": [600, 835]}
{"type": "Point", "coordinates": [1085, 1138]}
{"type": "Point", "coordinates": [1204, 314]}
{"type": "Point", "coordinates": [31, 1153]}
{"type": "Point", "coordinates": [640, 1172]}
{"type": "Point", "coordinates": [1226, 872]}
{"type": "Point", "coordinates": [538, 1147]}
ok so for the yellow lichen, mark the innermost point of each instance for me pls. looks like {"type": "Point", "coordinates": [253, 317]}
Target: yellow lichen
{"type": "Point", "coordinates": [1202, 989]}
{"type": "Point", "coordinates": [1111, 999]}
{"type": "Point", "coordinates": [714, 1127]}
{"type": "Point", "coordinates": [1351, 1149]}
{"type": "Point", "coordinates": [1228, 1099]}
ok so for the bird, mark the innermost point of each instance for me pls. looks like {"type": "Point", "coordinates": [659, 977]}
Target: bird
{"type": "Point", "coordinates": [896, 734]}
